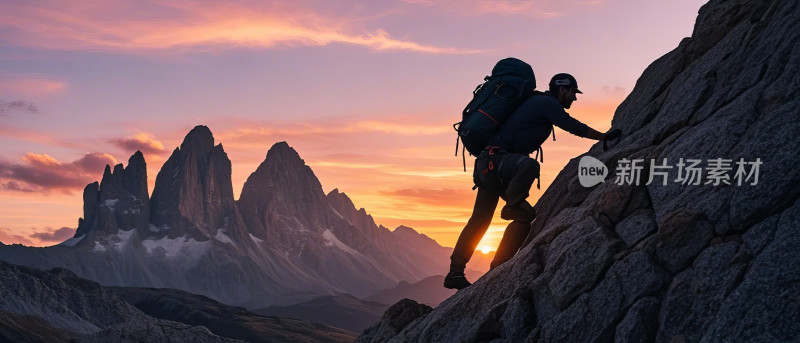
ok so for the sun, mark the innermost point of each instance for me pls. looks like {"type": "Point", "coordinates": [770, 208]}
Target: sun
{"type": "Point", "coordinates": [485, 249]}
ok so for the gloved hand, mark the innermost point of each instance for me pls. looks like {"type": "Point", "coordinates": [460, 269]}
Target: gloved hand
{"type": "Point", "coordinates": [614, 134]}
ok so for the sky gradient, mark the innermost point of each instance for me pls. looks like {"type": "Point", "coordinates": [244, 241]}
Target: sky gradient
{"type": "Point", "coordinates": [366, 92]}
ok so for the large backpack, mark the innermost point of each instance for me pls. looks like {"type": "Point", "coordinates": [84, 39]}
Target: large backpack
{"type": "Point", "coordinates": [511, 83]}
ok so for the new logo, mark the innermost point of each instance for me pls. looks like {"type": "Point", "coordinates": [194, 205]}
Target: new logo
{"type": "Point", "coordinates": [591, 171]}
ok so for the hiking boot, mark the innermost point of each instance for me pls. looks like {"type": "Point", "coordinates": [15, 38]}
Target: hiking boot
{"type": "Point", "coordinates": [456, 280]}
{"type": "Point", "coordinates": [522, 212]}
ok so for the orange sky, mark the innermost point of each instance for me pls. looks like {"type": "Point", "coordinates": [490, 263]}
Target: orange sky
{"type": "Point", "coordinates": [365, 92]}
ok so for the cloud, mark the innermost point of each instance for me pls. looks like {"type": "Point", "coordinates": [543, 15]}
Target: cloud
{"type": "Point", "coordinates": [434, 197]}
{"type": "Point", "coordinates": [54, 235]}
{"type": "Point", "coordinates": [8, 237]}
{"type": "Point", "coordinates": [31, 85]}
{"type": "Point", "coordinates": [14, 186]}
{"type": "Point", "coordinates": [326, 127]}
{"type": "Point", "coordinates": [616, 90]}
{"type": "Point", "coordinates": [17, 106]}
{"type": "Point", "coordinates": [43, 173]}
{"type": "Point", "coordinates": [93, 162]}
{"type": "Point", "coordinates": [148, 25]}
{"type": "Point", "coordinates": [144, 142]}
{"type": "Point", "coordinates": [540, 9]}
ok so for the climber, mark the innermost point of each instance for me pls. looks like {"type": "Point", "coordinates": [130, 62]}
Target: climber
{"type": "Point", "coordinates": [505, 170]}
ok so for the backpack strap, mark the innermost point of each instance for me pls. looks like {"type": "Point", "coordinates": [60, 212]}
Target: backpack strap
{"type": "Point", "coordinates": [539, 154]}
{"type": "Point", "coordinates": [463, 156]}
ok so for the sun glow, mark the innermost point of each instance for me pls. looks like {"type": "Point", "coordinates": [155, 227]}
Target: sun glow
{"type": "Point", "coordinates": [485, 249]}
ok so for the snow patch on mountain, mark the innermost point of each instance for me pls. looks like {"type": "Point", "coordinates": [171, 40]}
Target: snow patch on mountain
{"type": "Point", "coordinates": [111, 203]}
{"type": "Point", "coordinates": [336, 212]}
{"type": "Point", "coordinates": [98, 247]}
{"type": "Point", "coordinates": [174, 247]}
{"type": "Point", "coordinates": [120, 239]}
{"type": "Point", "coordinates": [222, 237]}
{"type": "Point", "coordinates": [331, 240]}
{"type": "Point", "coordinates": [72, 241]}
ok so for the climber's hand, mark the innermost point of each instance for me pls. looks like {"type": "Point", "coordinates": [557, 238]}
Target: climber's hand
{"type": "Point", "coordinates": [614, 134]}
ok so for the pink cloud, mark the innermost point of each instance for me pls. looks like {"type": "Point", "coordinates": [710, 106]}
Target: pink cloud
{"type": "Point", "coordinates": [53, 235]}
{"type": "Point", "coordinates": [31, 85]}
{"type": "Point", "coordinates": [14, 186]}
{"type": "Point", "coordinates": [43, 173]}
{"type": "Point", "coordinates": [144, 142]}
{"type": "Point", "coordinates": [530, 8]}
{"type": "Point", "coordinates": [93, 162]}
{"type": "Point", "coordinates": [8, 237]}
{"type": "Point", "coordinates": [422, 125]}
{"type": "Point", "coordinates": [189, 23]}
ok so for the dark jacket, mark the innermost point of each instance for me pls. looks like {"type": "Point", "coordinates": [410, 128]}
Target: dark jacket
{"type": "Point", "coordinates": [531, 124]}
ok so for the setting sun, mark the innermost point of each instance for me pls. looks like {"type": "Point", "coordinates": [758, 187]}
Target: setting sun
{"type": "Point", "coordinates": [485, 249]}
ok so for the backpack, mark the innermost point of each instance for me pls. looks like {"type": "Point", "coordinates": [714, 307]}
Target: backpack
{"type": "Point", "coordinates": [511, 83]}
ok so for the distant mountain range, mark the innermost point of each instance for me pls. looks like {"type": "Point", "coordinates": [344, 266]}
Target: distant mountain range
{"type": "Point", "coordinates": [350, 313]}
{"type": "Point", "coordinates": [58, 306]}
{"type": "Point", "coordinates": [283, 242]}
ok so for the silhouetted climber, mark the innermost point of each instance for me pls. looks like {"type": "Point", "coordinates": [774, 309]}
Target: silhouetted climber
{"type": "Point", "coordinates": [505, 170]}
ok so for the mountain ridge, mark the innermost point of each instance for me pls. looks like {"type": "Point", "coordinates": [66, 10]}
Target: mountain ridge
{"type": "Point", "coordinates": [281, 242]}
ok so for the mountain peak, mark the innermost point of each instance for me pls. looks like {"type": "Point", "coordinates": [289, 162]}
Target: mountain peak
{"type": "Point", "coordinates": [137, 157]}
{"type": "Point", "coordinates": [283, 152]}
{"type": "Point", "coordinates": [340, 197]}
{"type": "Point", "coordinates": [193, 191]}
{"type": "Point", "coordinates": [200, 136]}
{"type": "Point", "coordinates": [405, 229]}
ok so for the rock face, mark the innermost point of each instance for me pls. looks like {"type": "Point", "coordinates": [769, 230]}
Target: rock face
{"type": "Point", "coordinates": [284, 242]}
{"type": "Point", "coordinates": [283, 203]}
{"type": "Point", "coordinates": [119, 202]}
{"type": "Point", "coordinates": [400, 315]}
{"type": "Point", "coordinates": [667, 263]}
{"type": "Point", "coordinates": [193, 192]}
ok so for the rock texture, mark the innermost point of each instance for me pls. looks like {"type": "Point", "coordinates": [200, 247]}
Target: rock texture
{"type": "Point", "coordinates": [283, 203]}
{"type": "Point", "coordinates": [400, 315]}
{"type": "Point", "coordinates": [119, 202]}
{"type": "Point", "coordinates": [193, 192]}
{"type": "Point", "coordinates": [675, 262]}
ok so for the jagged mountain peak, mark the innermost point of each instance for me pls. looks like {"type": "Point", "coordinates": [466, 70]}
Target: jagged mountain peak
{"type": "Point", "coordinates": [282, 240]}
{"type": "Point", "coordinates": [340, 198]}
{"type": "Point", "coordinates": [405, 230]}
{"type": "Point", "coordinates": [107, 171]}
{"type": "Point", "coordinates": [136, 159]}
{"type": "Point", "coordinates": [193, 192]}
{"type": "Point", "coordinates": [119, 201]}
{"type": "Point", "coordinates": [199, 136]}
{"type": "Point", "coordinates": [282, 187]}
{"type": "Point", "coordinates": [284, 153]}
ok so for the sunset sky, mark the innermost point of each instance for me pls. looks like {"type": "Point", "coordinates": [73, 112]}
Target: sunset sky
{"type": "Point", "coordinates": [366, 92]}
